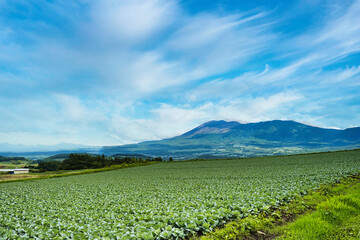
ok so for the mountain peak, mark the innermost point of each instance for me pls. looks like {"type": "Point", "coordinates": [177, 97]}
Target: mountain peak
{"type": "Point", "coordinates": [219, 123]}
{"type": "Point", "coordinates": [214, 126]}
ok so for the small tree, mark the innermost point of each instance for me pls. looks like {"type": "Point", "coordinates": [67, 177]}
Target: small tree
{"type": "Point", "coordinates": [170, 159]}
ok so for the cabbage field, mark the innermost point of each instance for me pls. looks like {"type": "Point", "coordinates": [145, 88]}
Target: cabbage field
{"type": "Point", "coordinates": [165, 200]}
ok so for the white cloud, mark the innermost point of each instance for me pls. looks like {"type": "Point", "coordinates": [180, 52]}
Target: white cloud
{"type": "Point", "coordinates": [150, 73]}
{"type": "Point", "coordinates": [62, 119]}
{"type": "Point", "coordinates": [131, 21]}
{"type": "Point", "coordinates": [77, 123]}
{"type": "Point", "coordinates": [212, 44]}
{"type": "Point", "coordinates": [72, 108]}
{"type": "Point", "coordinates": [169, 120]}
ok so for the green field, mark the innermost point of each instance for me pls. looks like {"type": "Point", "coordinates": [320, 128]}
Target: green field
{"type": "Point", "coordinates": [165, 200]}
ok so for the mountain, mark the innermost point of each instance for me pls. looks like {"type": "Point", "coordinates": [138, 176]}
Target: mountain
{"type": "Point", "coordinates": [218, 139]}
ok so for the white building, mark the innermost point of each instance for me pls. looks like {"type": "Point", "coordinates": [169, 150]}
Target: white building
{"type": "Point", "coordinates": [15, 171]}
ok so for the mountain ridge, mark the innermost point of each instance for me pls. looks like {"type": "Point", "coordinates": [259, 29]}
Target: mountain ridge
{"type": "Point", "coordinates": [234, 139]}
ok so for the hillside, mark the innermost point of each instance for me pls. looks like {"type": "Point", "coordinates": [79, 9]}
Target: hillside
{"type": "Point", "coordinates": [216, 139]}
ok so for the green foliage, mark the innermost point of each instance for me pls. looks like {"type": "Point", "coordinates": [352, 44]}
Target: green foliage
{"type": "Point", "coordinates": [336, 218]}
{"type": "Point", "coordinates": [49, 165]}
{"type": "Point", "coordinates": [8, 159]}
{"type": "Point", "coordinates": [77, 161]}
{"type": "Point", "coordinates": [164, 201]}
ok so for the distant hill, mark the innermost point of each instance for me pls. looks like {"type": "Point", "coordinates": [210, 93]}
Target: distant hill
{"type": "Point", "coordinates": [57, 157]}
{"type": "Point", "coordinates": [7, 159]}
{"type": "Point", "coordinates": [16, 148]}
{"type": "Point", "coordinates": [131, 156]}
{"type": "Point", "coordinates": [234, 139]}
{"type": "Point", "coordinates": [34, 155]}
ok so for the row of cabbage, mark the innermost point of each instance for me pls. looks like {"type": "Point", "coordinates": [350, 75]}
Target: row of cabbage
{"type": "Point", "coordinates": [162, 201]}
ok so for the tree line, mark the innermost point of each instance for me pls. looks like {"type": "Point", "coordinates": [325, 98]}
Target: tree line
{"type": "Point", "coordinates": [6, 159]}
{"type": "Point", "coordinates": [77, 161]}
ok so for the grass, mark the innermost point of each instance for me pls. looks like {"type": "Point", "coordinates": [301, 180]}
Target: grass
{"type": "Point", "coordinates": [14, 165]}
{"type": "Point", "coordinates": [331, 212]}
{"type": "Point", "coordinates": [4, 178]}
{"type": "Point", "coordinates": [338, 217]}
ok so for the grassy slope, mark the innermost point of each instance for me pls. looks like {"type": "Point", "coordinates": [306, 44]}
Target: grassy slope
{"type": "Point", "coordinates": [331, 212]}
{"type": "Point", "coordinates": [336, 218]}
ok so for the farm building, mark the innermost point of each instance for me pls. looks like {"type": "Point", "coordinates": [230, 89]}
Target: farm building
{"type": "Point", "coordinates": [15, 171]}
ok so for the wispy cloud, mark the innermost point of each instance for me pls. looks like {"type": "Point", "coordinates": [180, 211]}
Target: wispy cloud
{"type": "Point", "coordinates": [212, 44]}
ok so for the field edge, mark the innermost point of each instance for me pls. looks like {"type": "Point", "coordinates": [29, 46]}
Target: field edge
{"type": "Point", "coordinates": [272, 223]}
{"type": "Point", "coordinates": [32, 177]}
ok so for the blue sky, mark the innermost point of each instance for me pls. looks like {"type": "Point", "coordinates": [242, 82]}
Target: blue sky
{"type": "Point", "coordinates": [115, 72]}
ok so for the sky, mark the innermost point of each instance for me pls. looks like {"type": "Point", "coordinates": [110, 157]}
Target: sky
{"type": "Point", "coordinates": [114, 72]}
